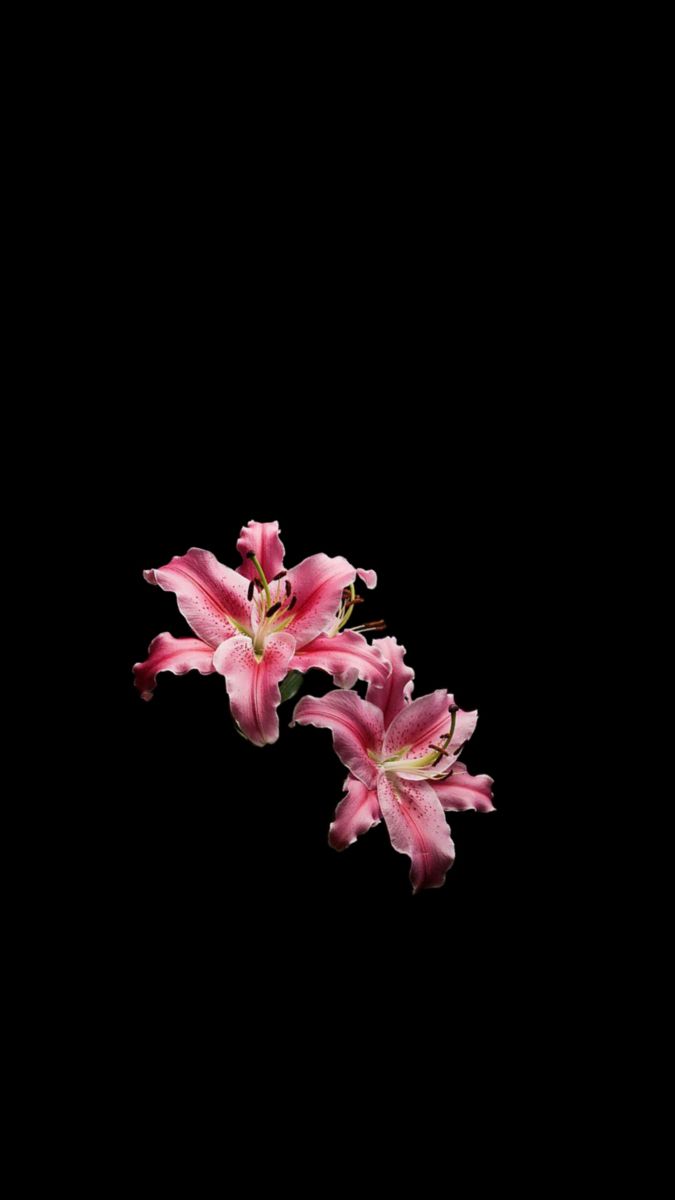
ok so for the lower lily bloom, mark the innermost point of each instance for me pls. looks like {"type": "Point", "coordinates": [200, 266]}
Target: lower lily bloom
{"type": "Point", "coordinates": [255, 624]}
{"type": "Point", "coordinates": [402, 759]}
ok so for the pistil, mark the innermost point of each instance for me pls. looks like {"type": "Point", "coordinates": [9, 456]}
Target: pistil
{"type": "Point", "coordinates": [351, 598]}
{"type": "Point", "coordinates": [273, 612]}
{"type": "Point", "coordinates": [401, 765]}
{"type": "Point", "coordinates": [263, 578]}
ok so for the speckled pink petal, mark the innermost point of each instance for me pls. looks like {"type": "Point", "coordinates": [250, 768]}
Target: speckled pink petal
{"type": "Point", "coordinates": [262, 538]}
{"type": "Point", "coordinates": [206, 591]}
{"type": "Point", "coordinates": [356, 726]}
{"type": "Point", "coordinates": [347, 657]}
{"type": "Point", "coordinates": [369, 577]}
{"type": "Point", "coordinates": [418, 723]}
{"type": "Point", "coordinates": [396, 691]}
{"type": "Point", "coordinates": [252, 685]}
{"type": "Point", "coordinates": [425, 721]}
{"type": "Point", "coordinates": [356, 813]}
{"type": "Point", "coordinates": [317, 583]}
{"type": "Point", "coordinates": [417, 827]}
{"type": "Point", "coordinates": [463, 791]}
{"type": "Point", "coordinates": [178, 655]}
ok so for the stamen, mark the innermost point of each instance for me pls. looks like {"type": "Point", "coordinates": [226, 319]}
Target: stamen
{"type": "Point", "coordinates": [261, 573]}
{"type": "Point", "coordinates": [288, 587]}
{"type": "Point", "coordinates": [250, 590]}
{"type": "Point", "coordinates": [447, 737]}
{"type": "Point", "coordinates": [343, 616]}
{"type": "Point", "coordinates": [275, 608]}
{"type": "Point", "coordinates": [279, 576]}
{"type": "Point", "coordinates": [440, 749]}
{"type": "Point", "coordinates": [292, 604]}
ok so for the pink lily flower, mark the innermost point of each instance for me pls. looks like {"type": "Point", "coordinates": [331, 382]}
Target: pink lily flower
{"type": "Point", "coordinates": [402, 759]}
{"type": "Point", "coordinates": [256, 623]}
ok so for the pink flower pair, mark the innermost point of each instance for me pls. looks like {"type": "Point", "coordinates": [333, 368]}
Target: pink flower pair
{"type": "Point", "coordinates": [258, 623]}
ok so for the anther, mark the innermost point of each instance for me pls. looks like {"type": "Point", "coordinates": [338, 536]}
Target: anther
{"type": "Point", "coordinates": [250, 590]}
{"type": "Point", "coordinates": [279, 576]}
{"type": "Point", "coordinates": [287, 585]}
{"type": "Point", "coordinates": [275, 608]}
{"type": "Point", "coordinates": [440, 749]}
{"type": "Point", "coordinates": [292, 604]}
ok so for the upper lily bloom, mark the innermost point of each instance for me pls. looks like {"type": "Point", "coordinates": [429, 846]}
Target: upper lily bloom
{"type": "Point", "coordinates": [402, 759]}
{"type": "Point", "coordinates": [258, 622]}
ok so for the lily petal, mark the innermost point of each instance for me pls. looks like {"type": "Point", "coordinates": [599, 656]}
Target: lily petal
{"type": "Point", "coordinates": [424, 721]}
{"type": "Point", "coordinates": [207, 593]}
{"type": "Point", "coordinates": [356, 726]}
{"type": "Point", "coordinates": [463, 791]}
{"type": "Point", "coordinates": [368, 577]}
{"type": "Point", "coordinates": [317, 583]}
{"type": "Point", "coordinates": [347, 657]}
{"type": "Point", "coordinates": [418, 723]}
{"type": "Point", "coordinates": [396, 692]}
{"type": "Point", "coordinates": [356, 813]}
{"type": "Point", "coordinates": [178, 655]}
{"type": "Point", "coordinates": [253, 685]}
{"type": "Point", "coordinates": [417, 827]}
{"type": "Point", "coordinates": [261, 538]}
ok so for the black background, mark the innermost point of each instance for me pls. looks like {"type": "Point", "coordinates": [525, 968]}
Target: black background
{"type": "Point", "coordinates": [374, 348]}
{"type": "Point", "coordinates": [382, 408]}
{"type": "Point", "coordinates": [382, 398]}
